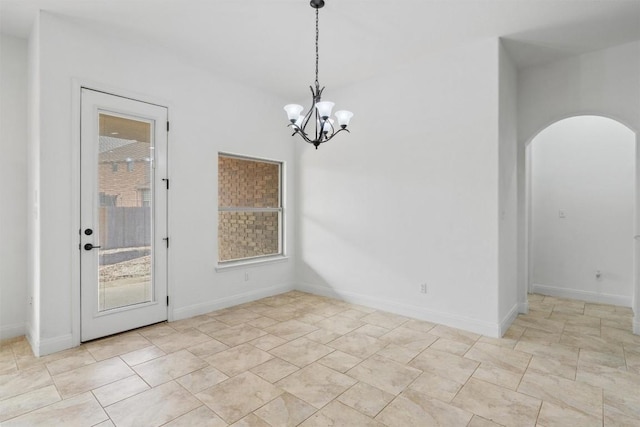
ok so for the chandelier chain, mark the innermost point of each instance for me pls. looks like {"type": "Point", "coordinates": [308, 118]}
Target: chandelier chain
{"type": "Point", "coordinates": [317, 51]}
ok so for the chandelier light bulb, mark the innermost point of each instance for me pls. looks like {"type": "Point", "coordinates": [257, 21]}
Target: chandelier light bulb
{"type": "Point", "coordinates": [328, 125]}
{"type": "Point", "coordinates": [343, 117]}
{"type": "Point", "coordinates": [293, 111]}
{"type": "Point", "coordinates": [324, 109]}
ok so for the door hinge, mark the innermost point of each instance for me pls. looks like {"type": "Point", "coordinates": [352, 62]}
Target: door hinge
{"type": "Point", "coordinates": [166, 180]}
{"type": "Point", "coordinates": [167, 125]}
{"type": "Point", "coordinates": [167, 300]}
{"type": "Point", "coordinates": [166, 239]}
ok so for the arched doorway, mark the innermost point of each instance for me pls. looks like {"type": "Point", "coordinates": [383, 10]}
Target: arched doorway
{"type": "Point", "coordinates": [580, 204]}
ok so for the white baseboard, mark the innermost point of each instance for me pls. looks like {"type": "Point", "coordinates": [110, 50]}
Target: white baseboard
{"type": "Point", "coordinates": [461, 322]}
{"type": "Point", "coordinates": [12, 331]}
{"type": "Point", "coordinates": [220, 303]}
{"type": "Point", "coordinates": [55, 344]}
{"type": "Point", "coordinates": [523, 307]}
{"type": "Point", "coordinates": [598, 298]}
{"type": "Point", "coordinates": [509, 318]}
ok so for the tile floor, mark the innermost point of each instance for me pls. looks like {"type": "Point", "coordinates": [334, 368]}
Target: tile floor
{"type": "Point", "coordinates": [299, 359]}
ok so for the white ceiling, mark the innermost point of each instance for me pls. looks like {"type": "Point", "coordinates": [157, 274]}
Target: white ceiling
{"type": "Point", "coordinates": [270, 43]}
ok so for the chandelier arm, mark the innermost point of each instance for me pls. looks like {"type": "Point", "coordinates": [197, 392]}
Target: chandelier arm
{"type": "Point", "coordinates": [335, 133]}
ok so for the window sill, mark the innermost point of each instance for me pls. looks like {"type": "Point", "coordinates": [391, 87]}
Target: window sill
{"type": "Point", "coordinates": [234, 265]}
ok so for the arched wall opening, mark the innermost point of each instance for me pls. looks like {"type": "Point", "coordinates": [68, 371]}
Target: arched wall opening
{"type": "Point", "coordinates": [581, 210]}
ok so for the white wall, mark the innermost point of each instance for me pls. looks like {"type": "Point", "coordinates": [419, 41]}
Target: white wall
{"type": "Point", "coordinates": [13, 186]}
{"type": "Point", "coordinates": [208, 114]}
{"type": "Point", "coordinates": [585, 167]}
{"type": "Point", "coordinates": [508, 197]}
{"type": "Point", "coordinates": [411, 195]}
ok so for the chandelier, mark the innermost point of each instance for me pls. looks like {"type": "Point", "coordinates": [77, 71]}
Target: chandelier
{"type": "Point", "coordinates": [322, 128]}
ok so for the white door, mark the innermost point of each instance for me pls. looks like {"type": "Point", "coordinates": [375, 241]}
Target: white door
{"type": "Point", "coordinates": [123, 214]}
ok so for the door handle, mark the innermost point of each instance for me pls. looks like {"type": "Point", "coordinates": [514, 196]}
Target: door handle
{"type": "Point", "coordinates": [89, 246]}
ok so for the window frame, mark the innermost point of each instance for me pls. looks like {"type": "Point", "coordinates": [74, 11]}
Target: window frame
{"type": "Point", "coordinates": [258, 259]}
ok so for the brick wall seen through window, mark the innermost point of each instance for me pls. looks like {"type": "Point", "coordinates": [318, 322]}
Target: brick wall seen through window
{"type": "Point", "coordinates": [249, 208]}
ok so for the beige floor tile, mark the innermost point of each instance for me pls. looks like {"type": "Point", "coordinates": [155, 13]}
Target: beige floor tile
{"type": "Point", "coordinates": [15, 383]}
{"type": "Point", "coordinates": [366, 399]}
{"type": "Point", "coordinates": [301, 351]}
{"type": "Point", "coordinates": [290, 329]}
{"type": "Point", "coordinates": [274, 370]}
{"type": "Point", "coordinates": [572, 319]}
{"type": "Point", "coordinates": [143, 355]}
{"type": "Point", "coordinates": [448, 365]}
{"type": "Point", "coordinates": [79, 411]}
{"type": "Point", "coordinates": [201, 379]}
{"type": "Point", "coordinates": [339, 361]}
{"type": "Point", "coordinates": [605, 359]}
{"type": "Point", "coordinates": [563, 392]}
{"type": "Point", "coordinates": [608, 378]}
{"type": "Point", "coordinates": [262, 322]}
{"type": "Point", "coordinates": [477, 421]}
{"type": "Point", "coordinates": [309, 318]}
{"type": "Point", "coordinates": [238, 359]}
{"type": "Point", "coordinates": [372, 330]}
{"type": "Point", "coordinates": [514, 332]}
{"type": "Point", "coordinates": [398, 353]}
{"type": "Point", "coordinates": [339, 414]}
{"type": "Point", "coordinates": [285, 410]}
{"type": "Point", "coordinates": [91, 376]}
{"type": "Point", "coordinates": [207, 348]}
{"type": "Point", "coordinates": [450, 346]}
{"type": "Point", "coordinates": [619, 420]}
{"type": "Point", "coordinates": [169, 367]}
{"type": "Point", "coordinates": [498, 404]}
{"type": "Point", "coordinates": [582, 330]}
{"type": "Point", "coordinates": [153, 407]}
{"type": "Point", "coordinates": [539, 336]}
{"type": "Point", "coordinates": [499, 357]}
{"type": "Point", "coordinates": [551, 366]}
{"type": "Point", "coordinates": [27, 402]}
{"type": "Point", "coordinates": [156, 331]}
{"type": "Point", "coordinates": [419, 325]}
{"type": "Point", "coordinates": [436, 386]}
{"type": "Point", "coordinates": [620, 335]}
{"type": "Point", "coordinates": [322, 336]}
{"type": "Point", "coordinates": [588, 342]}
{"type": "Point", "coordinates": [120, 390]}
{"type": "Point", "coordinates": [498, 376]}
{"type": "Point", "coordinates": [238, 396]}
{"type": "Point", "coordinates": [357, 344]}
{"type": "Point", "coordinates": [545, 325]}
{"type": "Point", "coordinates": [212, 327]}
{"type": "Point", "coordinates": [185, 338]}
{"type": "Point", "coordinates": [455, 334]}
{"type": "Point", "coordinates": [563, 353]}
{"type": "Point", "coordinates": [316, 384]}
{"type": "Point", "coordinates": [353, 314]}
{"type": "Point", "coordinates": [384, 319]}
{"type": "Point", "coordinates": [237, 317]}
{"type": "Point", "coordinates": [384, 374]}
{"type": "Point", "coordinates": [107, 423]}
{"type": "Point", "coordinates": [191, 322]}
{"type": "Point", "coordinates": [412, 408]}
{"type": "Point", "coordinates": [632, 357]}
{"type": "Point", "coordinates": [251, 420]}
{"type": "Point", "coordinates": [409, 338]}
{"type": "Point", "coordinates": [621, 403]}
{"type": "Point", "coordinates": [340, 324]}
{"type": "Point", "coordinates": [115, 346]}
{"type": "Point", "coordinates": [558, 415]}
{"type": "Point", "coordinates": [76, 360]}
{"type": "Point", "coordinates": [267, 342]}
{"type": "Point", "coordinates": [199, 417]}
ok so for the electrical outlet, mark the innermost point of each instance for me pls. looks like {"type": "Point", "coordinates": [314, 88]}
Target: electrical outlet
{"type": "Point", "coordinates": [423, 288]}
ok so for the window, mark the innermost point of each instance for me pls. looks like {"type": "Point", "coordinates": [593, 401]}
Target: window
{"type": "Point", "coordinates": [249, 208]}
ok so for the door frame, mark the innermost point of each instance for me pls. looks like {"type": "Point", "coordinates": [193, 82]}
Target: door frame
{"type": "Point", "coordinates": [526, 272]}
{"type": "Point", "coordinates": [77, 84]}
